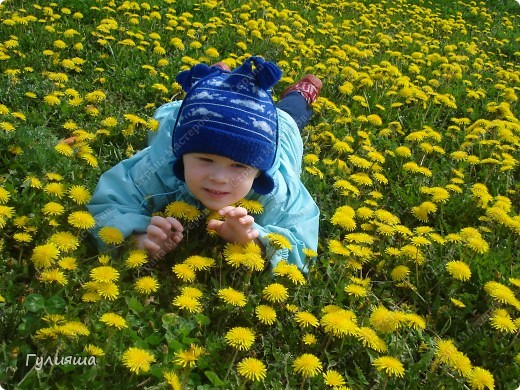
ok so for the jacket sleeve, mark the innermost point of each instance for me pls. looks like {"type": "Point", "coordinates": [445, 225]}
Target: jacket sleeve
{"type": "Point", "coordinates": [297, 219]}
{"type": "Point", "coordinates": [120, 197]}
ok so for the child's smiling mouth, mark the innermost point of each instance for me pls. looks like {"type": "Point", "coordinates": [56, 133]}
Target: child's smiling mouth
{"type": "Point", "coordinates": [215, 193]}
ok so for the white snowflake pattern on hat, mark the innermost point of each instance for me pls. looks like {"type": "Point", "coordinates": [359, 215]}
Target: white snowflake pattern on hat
{"type": "Point", "coordinates": [249, 104]}
{"type": "Point", "coordinates": [202, 111]}
{"type": "Point", "coordinates": [262, 125]}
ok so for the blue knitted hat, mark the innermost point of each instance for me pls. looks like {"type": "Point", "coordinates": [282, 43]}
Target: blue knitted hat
{"type": "Point", "coordinates": [231, 114]}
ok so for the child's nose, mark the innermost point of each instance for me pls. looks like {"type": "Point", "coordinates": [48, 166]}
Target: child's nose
{"type": "Point", "coordinates": [219, 175]}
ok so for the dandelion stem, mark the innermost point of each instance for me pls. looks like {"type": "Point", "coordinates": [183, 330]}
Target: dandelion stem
{"type": "Point", "coordinates": [231, 365]}
{"type": "Point", "coordinates": [385, 382]}
{"type": "Point", "coordinates": [186, 376]}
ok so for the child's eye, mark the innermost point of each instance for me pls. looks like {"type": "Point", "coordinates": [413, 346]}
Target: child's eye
{"type": "Point", "coordinates": [242, 166]}
{"type": "Point", "coordinates": [205, 159]}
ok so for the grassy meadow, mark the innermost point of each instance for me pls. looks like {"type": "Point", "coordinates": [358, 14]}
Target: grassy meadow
{"type": "Point", "coordinates": [412, 156]}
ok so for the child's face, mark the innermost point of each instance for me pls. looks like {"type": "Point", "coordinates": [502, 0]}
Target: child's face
{"type": "Point", "coordinates": [217, 181]}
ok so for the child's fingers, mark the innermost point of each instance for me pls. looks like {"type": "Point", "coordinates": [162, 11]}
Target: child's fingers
{"type": "Point", "coordinates": [215, 225]}
{"type": "Point", "coordinates": [232, 211]}
{"type": "Point", "coordinates": [161, 223]}
{"type": "Point", "coordinates": [248, 220]}
{"type": "Point", "coordinates": [177, 237]}
{"type": "Point", "coordinates": [175, 224]}
{"type": "Point", "coordinates": [156, 233]}
{"type": "Point", "coordinates": [252, 234]}
{"type": "Point", "coordinates": [151, 247]}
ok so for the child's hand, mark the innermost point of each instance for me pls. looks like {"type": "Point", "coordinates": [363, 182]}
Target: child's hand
{"type": "Point", "coordinates": [162, 236]}
{"type": "Point", "coordinates": [237, 226]}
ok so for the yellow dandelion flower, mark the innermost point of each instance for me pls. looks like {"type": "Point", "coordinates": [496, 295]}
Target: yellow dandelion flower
{"type": "Point", "coordinates": [502, 321]}
{"type": "Point", "coordinates": [462, 364]}
{"type": "Point", "coordinates": [137, 360]}
{"type": "Point", "coordinates": [384, 320]}
{"type": "Point", "coordinates": [111, 235]}
{"type": "Point", "coordinates": [104, 274]}
{"type": "Point", "coordinates": [44, 256]}
{"type": "Point", "coordinates": [79, 194]}
{"type": "Point", "coordinates": [51, 100]}
{"type": "Point", "coordinates": [334, 379]}
{"type": "Point", "coordinates": [252, 369]}
{"type": "Point", "coordinates": [502, 293]}
{"type": "Point", "coordinates": [457, 302]}
{"type": "Point", "coordinates": [478, 245]}
{"type": "Point", "coordinates": [136, 258]}
{"type": "Point", "coordinates": [114, 320]}
{"type": "Point", "coordinates": [232, 297]}
{"type": "Point", "coordinates": [182, 210]}
{"type": "Point", "coordinates": [356, 290]}
{"type": "Point", "coordinates": [173, 380]}
{"type": "Point", "coordinates": [73, 329]}
{"type": "Point", "coordinates": [64, 149]}
{"type": "Point", "coordinates": [55, 189]}
{"type": "Point", "coordinates": [146, 285]}
{"type": "Point", "coordinates": [199, 263]}
{"type": "Point", "coordinates": [291, 308]}
{"type": "Point", "coordinates": [65, 241]}
{"type": "Point", "coordinates": [458, 270]}
{"type": "Point", "coordinates": [81, 220]}
{"type": "Point", "coordinates": [108, 290]}
{"type": "Point", "coordinates": [414, 321]}
{"type": "Point", "coordinates": [212, 52]}
{"type": "Point", "coordinates": [311, 159]}
{"type": "Point", "coordinates": [370, 339]}
{"type": "Point", "coordinates": [109, 122]}
{"type": "Point", "coordinates": [252, 257]}
{"type": "Point", "coordinates": [185, 302]}
{"type": "Point", "coordinates": [400, 273]}
{"type": "Point", "coordinates": [33, 182]}
{"type": "Point", "coordinates": [91, 296]}
{"type": "Point", "coordinates": [46, 333]}
{"type": "Point", "coordinates": [279, 241]}
{"type": "Point", "coordinates": [308, 365]}
{"type": "Point", "coordinates": [240, 338]}
{"type": "Point", "coordinates": [252, 206]}
{"type": "Point", "coordinates": [7, 126]}
{"type": "Point", "coordinates": [53, 276]}
{"type": "Point", "coordinates": [22, 237]}
{"type": "Point", "coordinates": [184, 272]}
{"type": "Point", "coordinates": [265, 314]}
{"type": "Point", "coordinates": [306, 319]}
{"type": "Point", "coordinates": [275, 292]}
{"type": "Point", "coordinates": [390, 365]}
{"type": "Point", "coordinates": [446, 351]}
{"type": "Point", "coordinates": [290, 270]}
{"type": "Point", "coordinates": [4, 195]}
{"type": "Point", "coordinates": [309, 339]}
{"type": "Point", "coordinates": [188, 357]}
{"type": "Point", "coordinates": [339, 323]}
{"type": "Point", "coordinates": [344, 217]}
{"type": "Point", "coordinates": [481, 379]}
{"type": "Point", "coordinates": [68, 263]}
{"type": "Point", "coordinates": [309, 252]}
{"type": "Point", "coordinates": [192, 292]}
{"type": "Point", "coordinates": [92, 350]}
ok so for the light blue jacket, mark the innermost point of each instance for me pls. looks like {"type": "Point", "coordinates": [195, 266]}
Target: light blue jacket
{"type": "Point", "coordinates": [128, 193]}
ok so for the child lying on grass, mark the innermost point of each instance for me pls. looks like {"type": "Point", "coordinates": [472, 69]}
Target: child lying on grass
{"type": "Point", "coordinates": [224, 142]}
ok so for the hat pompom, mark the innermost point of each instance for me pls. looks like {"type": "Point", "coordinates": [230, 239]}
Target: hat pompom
{"type": "Point", "coordinates": [266, 73]}
{"type": "Point", "coordinates": [189, 77]}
